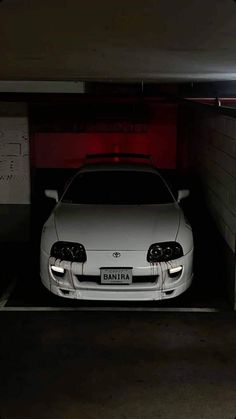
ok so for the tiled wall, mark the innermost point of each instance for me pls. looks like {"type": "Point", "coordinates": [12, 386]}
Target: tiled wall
{"type": "Point", "coordinates": [213, 156]}
{"type": "Point", "coordinates": [207, 151]}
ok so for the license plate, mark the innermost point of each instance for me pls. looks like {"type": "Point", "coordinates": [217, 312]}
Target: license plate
{"type": "Point", "coordinates": [116, 276]}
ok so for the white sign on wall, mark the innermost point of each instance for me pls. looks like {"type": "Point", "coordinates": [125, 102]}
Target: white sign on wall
{"type": "Point", "coordinates": [14, 160]}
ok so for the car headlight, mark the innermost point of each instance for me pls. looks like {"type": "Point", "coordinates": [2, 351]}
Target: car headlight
{"type": "Point", "coordinates": [163, 252]}
{"type": "Point", "coordinates": [71, 252]}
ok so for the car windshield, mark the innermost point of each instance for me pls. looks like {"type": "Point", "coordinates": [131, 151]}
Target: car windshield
{"type": "Point", "coordinates": [118, 188]}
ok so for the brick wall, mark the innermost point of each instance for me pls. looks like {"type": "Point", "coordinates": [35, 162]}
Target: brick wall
{"type": "Point", "coordinates": [207, 151]}
{"type": "Point", "coordinates": [213, 157]}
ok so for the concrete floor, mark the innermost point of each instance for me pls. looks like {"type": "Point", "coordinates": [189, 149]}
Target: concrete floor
{"type": "Point", "coordinates": [90, 365]}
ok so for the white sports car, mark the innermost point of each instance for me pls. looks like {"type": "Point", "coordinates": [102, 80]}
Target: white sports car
{"type": "Point", "coordinates": [117, 233]}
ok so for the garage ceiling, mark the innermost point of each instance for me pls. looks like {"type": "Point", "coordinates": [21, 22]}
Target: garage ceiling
{"type": "Point", "coordinates": [118, 40]}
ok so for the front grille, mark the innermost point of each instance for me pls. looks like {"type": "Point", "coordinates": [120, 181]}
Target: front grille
{"type": "Point", "coordinates": [135, 280]}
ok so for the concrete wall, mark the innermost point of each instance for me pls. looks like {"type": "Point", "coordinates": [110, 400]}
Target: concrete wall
{"type": "Point", "coordinates": [14, 172]}
{"type": "Point", "coordinates": [211, 146]}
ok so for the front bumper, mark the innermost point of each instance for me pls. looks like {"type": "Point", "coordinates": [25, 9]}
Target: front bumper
{"type": "Point", "coordinates": [161, 285]}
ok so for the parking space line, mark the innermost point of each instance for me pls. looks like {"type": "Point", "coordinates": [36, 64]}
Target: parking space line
{"type": "Point", "coordinates": [118, 309]}
{"type": "Point", "coordinates": [7, 293]}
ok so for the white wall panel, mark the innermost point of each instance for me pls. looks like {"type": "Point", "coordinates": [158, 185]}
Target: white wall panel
{"type": "Point", "coordinates": [14, 154]}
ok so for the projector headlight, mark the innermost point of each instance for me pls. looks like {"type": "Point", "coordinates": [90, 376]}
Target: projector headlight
{"type": "Point", "coordinates": [71, 252]}
{"type": "Point", "coordinates": [163, 252]}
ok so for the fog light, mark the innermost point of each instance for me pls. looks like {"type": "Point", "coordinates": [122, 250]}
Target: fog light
{"type": "Point", "coordinates": [175, 272]}
{"type": "Point", "coordinates": [58, 269]}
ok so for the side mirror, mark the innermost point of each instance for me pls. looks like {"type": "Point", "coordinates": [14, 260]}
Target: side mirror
{"type": "Point", "coordinates": [183, 193]}
{"type": "Point", "coordinates": [52, 193]}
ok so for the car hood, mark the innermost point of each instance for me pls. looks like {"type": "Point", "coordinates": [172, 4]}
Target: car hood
{"type": "Point", "coordinates": [118, 227]}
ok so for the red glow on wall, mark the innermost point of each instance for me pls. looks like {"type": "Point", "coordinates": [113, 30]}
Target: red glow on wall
{"type": "Point", "coordinates": [68, 150]}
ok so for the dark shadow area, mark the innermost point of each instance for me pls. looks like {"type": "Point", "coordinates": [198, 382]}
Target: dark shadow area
{"type": "Point", "coordinates": [118, 365]}
{"type": "Point", "coordinates": [209, 279]}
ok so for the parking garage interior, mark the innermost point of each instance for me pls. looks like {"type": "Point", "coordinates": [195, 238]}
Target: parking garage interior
{"type": "Point", "coordinates": [82, 82]}
{"type": "Point", "coordinates": [182, 138]}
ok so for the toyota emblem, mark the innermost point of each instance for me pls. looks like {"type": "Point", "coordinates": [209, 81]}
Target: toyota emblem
{"type": "Point", "coordinates": [116, 254]}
